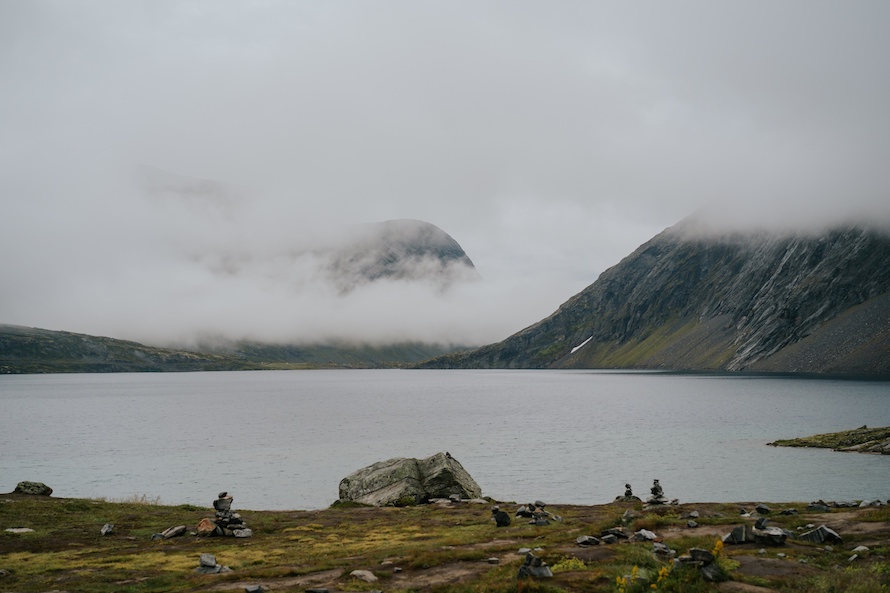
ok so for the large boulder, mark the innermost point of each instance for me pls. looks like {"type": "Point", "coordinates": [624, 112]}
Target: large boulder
{"type": "Point", "coordinates": [35, 488]}
{"type": "Point", "coordinates": [407, 480]}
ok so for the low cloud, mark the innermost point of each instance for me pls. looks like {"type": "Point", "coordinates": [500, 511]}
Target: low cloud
{"type": "Point", "coordinates": [167, 167]}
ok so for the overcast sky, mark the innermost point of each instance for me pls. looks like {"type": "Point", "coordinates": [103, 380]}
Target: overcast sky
{"type": "Point", "coordinates": [549, 139]}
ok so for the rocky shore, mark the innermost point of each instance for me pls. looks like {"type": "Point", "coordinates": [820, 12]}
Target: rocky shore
{"type": "Point", "coordinates": [449, 544]}
{"type": "Point", "coordinates": [858, 440]}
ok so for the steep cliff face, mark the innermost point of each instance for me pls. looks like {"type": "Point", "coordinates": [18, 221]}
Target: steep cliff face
{"type": "Point", "coordinates": [690, 301]}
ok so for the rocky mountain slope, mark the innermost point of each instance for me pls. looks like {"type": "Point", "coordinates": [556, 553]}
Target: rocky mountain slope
{"type": "Point", "coordinates": [690, 300]}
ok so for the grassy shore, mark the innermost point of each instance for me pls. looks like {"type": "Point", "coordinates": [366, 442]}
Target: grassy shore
{"type": "Point", "coordinates": [442, 548]}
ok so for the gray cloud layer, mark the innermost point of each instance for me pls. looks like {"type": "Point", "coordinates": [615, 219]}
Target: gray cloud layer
{"type": "Point", "coordinates": [549, 139]}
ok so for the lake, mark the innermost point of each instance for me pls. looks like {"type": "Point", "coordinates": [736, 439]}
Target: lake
{"type": "Point", "coordinates": [284, 439]}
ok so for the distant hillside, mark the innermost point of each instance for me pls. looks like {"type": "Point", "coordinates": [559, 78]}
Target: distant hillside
{"type": "Point", "coordinates": [689, 301]}
{"type": "Point", "coordinates": [32, 350]}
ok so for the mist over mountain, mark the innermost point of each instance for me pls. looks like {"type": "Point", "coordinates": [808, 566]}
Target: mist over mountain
{"type": "Point", "coordinates": [409, 250]}
{"type": "Point", "coordinates": [695, 299]}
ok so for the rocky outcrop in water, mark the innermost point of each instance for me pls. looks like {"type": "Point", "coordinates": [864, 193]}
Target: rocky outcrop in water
{"type": "Point", "coordinates": [859, 440]}
{"type": "Point", "coordinates": [690, 300]}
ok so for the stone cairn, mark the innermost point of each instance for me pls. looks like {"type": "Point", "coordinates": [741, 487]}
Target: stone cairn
{"type": "Point", "coordinates": [226, 523]}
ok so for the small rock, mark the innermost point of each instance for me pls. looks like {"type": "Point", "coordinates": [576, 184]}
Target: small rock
{"type": "Point", "coordinates": [254, 589]}
{"type": "Point", "coordinates": [763, 509]}
{"type": "Point", "coordinates": [494, 560]}
{"type": "Point", "coordinates": [364, 575]}
{"type": "Point", "coordinates": [587, 540]}
{"type": "Point", "coordinates": [207, 560]}
{"type": "Point", "coordinates": [853, 558]}
{"type": "Point", "coordinates": [860, 549]}
{"type": "Point", "coordinates": [106, 529]}
{"type": "Point", "coordinates": [700, 555]}
{"type": "Point", "coordinates": [821, 535]}
{"type": "Point", "coordinates": [174, 532]}
{"type": "Point", "coordinates": [712, 572]}
{"type": "Point", "coordinates": [19, 530]}
{"type": "Point", "coordinates": [533, 566]}
{"type": "Point", "coordinates": [691, 524]}
{"type": "Point", "coordinates": [318, 590]}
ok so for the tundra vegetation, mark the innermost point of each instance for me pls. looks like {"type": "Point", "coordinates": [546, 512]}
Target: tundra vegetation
{"type": "Point", "coordinates": [439, 548]}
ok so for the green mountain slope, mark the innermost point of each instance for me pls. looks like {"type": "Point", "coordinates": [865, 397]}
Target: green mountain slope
{"type": "Point", "coordinates": [687, 301]}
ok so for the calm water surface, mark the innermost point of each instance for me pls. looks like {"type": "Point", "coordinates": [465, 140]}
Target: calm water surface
{"type": "Point", "coordinates": [283, 440]}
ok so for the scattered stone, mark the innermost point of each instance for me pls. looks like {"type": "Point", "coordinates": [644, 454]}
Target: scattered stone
{"type": "Point", "coordinates": [630, 516]}
{"type": "Point", "coordinates": [501, 518]}
{"type": "Point", "coordinates": [820, 535]}
{"type": "Point", "coordinates": [318, 590]}
{"type": "Point", "coordinates": [609, 539]}
{"type": "Point", "coordinates": [706, 563]}
{"type": "Point", "coordinates": [853, 558]}
{"type": "Point", "coordinates": [741, 534]}
{"type": "Point", "coordinates": [19, 530]}
{"type": "Point", "coordinates": [662, 550]}
{"type": "Point", "coordinates": [107, 529]}
{"type": "Point", "coordinates": [691, 524]}
{"type": "Point", "coordinates": [538, 514]}
{"type": "Point", "coordinates": [588, 540]}
{"type": "Point", "coordinates": [644, 535]}
{"type": "Point", "coordinates": [205, 527]}
{"type": "Point", "coordinates": [364, 575]}
{"type": "Point", "coordinates": [207, 565]}
{"type": "Point", "coordinates": [818, 507]}
{"type": "Point", "coordinates": [700, 555]}
{"type": "Point", "coordinates": [763, 509]}
{"type": "Point", "coordinates": [789, 512]}
{"type": "Point", "coordinates": [860, 549]}
{"type": "Point", "coordinates": [34, 488]}
{"type": "Point", "coordinates": [172, 532]}
{"type": "Point", "coordinates": [871, 503]}
{"type": "Point", "coordinates": [254, 589]}
{"type": "Point", "coordinates": [617, 532]}
{"type": "Point", "coordinates": [533, 566]}
{"type": "Point", "coordinates": [493, 560]}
